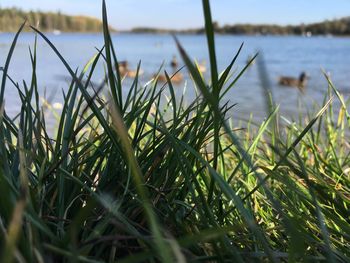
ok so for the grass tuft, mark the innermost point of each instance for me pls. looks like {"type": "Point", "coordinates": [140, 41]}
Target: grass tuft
{"type": "Point", "coordinates": [139, 175]}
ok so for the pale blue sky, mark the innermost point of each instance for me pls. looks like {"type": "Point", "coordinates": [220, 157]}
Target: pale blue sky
{"type": "Point", "coordinates": [125, 14]}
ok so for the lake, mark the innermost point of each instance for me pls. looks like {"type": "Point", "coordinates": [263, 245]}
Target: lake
{"type": "Point", "coordinates": [283, 55]}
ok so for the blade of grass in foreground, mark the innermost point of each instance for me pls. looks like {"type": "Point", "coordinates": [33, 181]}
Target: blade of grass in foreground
{"type": "Point", "coordinates": [254, 144]}
{"type": "Point", "coordinates": [162, 247]}
{"type": "Point", "coordinates": [86, 95]}
{"type": "Point", "coordinates": [292, 147]}
{"type": "Point", "coordinates": [219, 120]}
{"type": "Point", "coordinates": [330, 83]}
{"type": "Point", "coordinates": [14, 228]}
{"type": "Point", "coordinates": [216, 87]}
{"type": "Point", "coordinates": [7, 200]}
{"type": "Point", "coordinates": [115, 87]}
{"type": "Point", "coordinates": [209, 29]}
{"type": "Point", "coordinates": [7, 64]}
{"type": "Point", "coordinates": [319, 214]}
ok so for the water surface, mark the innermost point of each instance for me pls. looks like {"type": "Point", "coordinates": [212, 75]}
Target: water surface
{"type": "Point", "coordinates": [283, 55]}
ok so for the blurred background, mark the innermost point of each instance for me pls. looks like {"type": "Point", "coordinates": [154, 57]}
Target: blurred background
{"type": "Point", "coordinates": [293, 37]}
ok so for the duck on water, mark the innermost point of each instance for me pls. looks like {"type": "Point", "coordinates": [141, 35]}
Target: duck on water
{"type": "Point", "coordinates": [124, 70]}
{"type": "Point", "coordinates": [300, 82]}
{"type": "Point", "coordinates": [176, 78]}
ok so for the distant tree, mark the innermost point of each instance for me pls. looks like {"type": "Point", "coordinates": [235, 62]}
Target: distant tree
{"type": "Point", "coordinates": [12, 18]}
{"type": "Point", "coordinates": [61, 22]}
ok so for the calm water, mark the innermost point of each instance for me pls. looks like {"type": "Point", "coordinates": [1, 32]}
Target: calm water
{"type": "Point", "coordinates": [283, 56]}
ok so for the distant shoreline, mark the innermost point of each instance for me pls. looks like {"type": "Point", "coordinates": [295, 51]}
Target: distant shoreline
{"type": "Point", "coordinates": [337, 27]}
{"type": "Point", "coordinates": [179, 34]}
{"type": "Point", "coordinates": [12, 18]}
{"type": "Point", "coordinates": [227, 34]}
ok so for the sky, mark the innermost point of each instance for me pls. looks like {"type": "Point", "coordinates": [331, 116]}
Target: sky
{"type": "Point", "coordinates": [179, 14]}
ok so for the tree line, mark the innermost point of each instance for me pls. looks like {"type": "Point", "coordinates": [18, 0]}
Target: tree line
{"type": "Point", "coordinates": [12, 18]}
{"type": "Point", "coordinates": [339, 27]}
{"type": "Point", "coordinates": [333, 27]}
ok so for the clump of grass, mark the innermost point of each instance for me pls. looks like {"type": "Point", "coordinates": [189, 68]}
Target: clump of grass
{"type": "Point", "coordinates": [126, 179]}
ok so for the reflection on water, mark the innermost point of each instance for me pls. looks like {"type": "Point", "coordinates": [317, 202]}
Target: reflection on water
{"type": "Point", "coordinates": [284, 56]}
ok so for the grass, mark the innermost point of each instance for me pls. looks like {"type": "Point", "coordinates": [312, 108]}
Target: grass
{"type": "Point", "coordinates": [128, 178]}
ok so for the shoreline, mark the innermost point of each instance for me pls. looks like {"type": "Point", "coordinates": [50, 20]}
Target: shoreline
{"type": "Point", "coordinates": [178, 33]}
